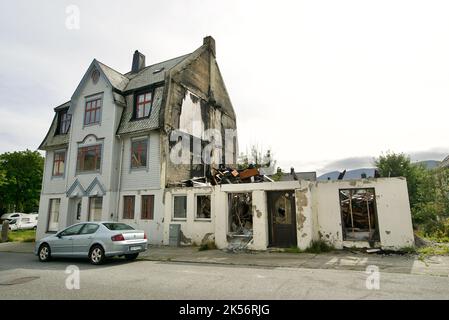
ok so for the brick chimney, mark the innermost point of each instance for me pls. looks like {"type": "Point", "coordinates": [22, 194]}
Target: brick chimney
{"type": "Point", "coordinates": [138, 62]}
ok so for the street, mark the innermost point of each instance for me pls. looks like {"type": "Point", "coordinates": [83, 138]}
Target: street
{"type": "Point", "coordinates": [22, 276]}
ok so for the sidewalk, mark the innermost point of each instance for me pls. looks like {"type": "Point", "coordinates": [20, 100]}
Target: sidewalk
{"type": "Point", "coordinates": [337, 260]}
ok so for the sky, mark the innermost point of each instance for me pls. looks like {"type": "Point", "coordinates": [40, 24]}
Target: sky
{"type": "Point", "coordinates": [327, 85]}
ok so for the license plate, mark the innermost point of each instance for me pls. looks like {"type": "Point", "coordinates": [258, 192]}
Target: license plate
{"type": "Point", "coordinates": [135, 248]}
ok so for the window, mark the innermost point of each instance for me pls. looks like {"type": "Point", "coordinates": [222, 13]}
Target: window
{"type": "Point", "coordinates": [139, 153]}
{"type": "Point", "coordinates": [64, 122]}
{"type": "Point", "coordinates": [95, 208]}
{"type": "Point", "coordinates": [147, 207]}
{"type": "Point", "coordinates": [203, 207]}
{"type": "Point", "coordinates": [180, 207]}
{"type": "Point", "coordinates": [117, 226]}
{"type": "Point", "coordinates": [92, 112]}
{"type": "Point", "coordinates": [358, 213]}
{"type": "Point", "coordinates": [70, 231]}
{"type": "Point", "coordinates": [89, 158]}
{"type": "Point", "coordinates": [89, 228]}
{"type": "Point", "coordinates": [143, 105]}
{"type": "Point", "coordinates": [128, 207]}
{"type": "Point", "coordinates": [58, 163]}
{"type": "Point", "coordinates": [53, 215]}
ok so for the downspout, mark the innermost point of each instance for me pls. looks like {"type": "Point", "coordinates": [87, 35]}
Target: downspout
{"type": "Point", "coordinates": [119, 186]}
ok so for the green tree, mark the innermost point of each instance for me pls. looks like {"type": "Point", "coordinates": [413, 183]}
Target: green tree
{"type": "Point", "coordinates": [257, 157]}
{"type": "Point", "coordinates": [20, 180]}
{"type": "Point", "coordinates": [399, 165]}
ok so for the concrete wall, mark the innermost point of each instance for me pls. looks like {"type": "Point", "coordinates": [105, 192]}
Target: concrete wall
{"type": "Point", "coordinates": [193, 230]}
{"type": "Point", "coordinates": [318, 213]}
{"type": "Point", "coordinates": [393, 211]}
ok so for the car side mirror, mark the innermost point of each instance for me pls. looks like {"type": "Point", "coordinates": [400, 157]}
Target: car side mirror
{"type": "Point", "coordinates": [59, 235]}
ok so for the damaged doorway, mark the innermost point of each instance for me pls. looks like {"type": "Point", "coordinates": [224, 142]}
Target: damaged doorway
{"type": "Point", "coordinates": [240, 228]}
{"type": "Point", "coordinates": [282, 218]}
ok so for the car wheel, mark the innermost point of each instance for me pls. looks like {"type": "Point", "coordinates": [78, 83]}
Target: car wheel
{"type": "Point", "coordinates": [96, 255]}
{"type": "Point", "coordinates": [44, 253]}
{"type": "Point", "coordinates": [132, 256]}
{"type": "Point", "coordinates": [34, 228]}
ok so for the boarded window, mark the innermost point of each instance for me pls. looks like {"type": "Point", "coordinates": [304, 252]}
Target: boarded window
{"type": "Point", "coordinates": [128, 207]}
{"type": "Point", "coordinates": [58, 163]}
{"type": "Point", "coordinates": [359, 214]}
{"type": "Point", "coordinates": [139, 153]}
{"type": "Point", "coordinates": [203, 207]}
{"type": "Point", "coordinates": [89, 158]}
{"type": "Point", "coordinates": [53, 215]}
{"type": "Point", "coordinates": [180, 207]}
{"type": "Point", "coordinates": [147, 207]}
{"type": "Point", "coordinates": [95, 208]}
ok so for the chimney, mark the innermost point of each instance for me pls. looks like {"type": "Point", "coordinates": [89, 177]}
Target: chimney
{"type": "Point", "coordinates": [138, 62]}
{"type": "Point", "coordinates": [210, 42]}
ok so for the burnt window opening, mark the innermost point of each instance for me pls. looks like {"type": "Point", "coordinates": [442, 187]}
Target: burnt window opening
{"type": "Point", "coordinates": [203, 207]}
{"type": "Point", "coordinates": [240, 214]}
{"type": "Point", "coordinates": [359, 214]}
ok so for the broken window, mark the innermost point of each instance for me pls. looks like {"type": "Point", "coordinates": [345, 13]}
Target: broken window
{"type": "Point", "coordinates": [240, 214]}
{"type": "Point", "coordinates": [203, 207]}
{"type": "Point", "coordinates": [179, 207]}
{"type": "Point", "coordinates": [359, 214]}
{"type": "Point", "coordinates": [63, 121]}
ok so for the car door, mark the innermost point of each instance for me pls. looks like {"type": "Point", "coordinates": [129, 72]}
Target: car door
{"type": "Point", "coordinates": [83, 240]}
{"type": "Point", "coordinates": [62, 245]}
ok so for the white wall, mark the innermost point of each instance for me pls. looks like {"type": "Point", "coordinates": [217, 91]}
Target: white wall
{"type": "Point", "coordinates": [393, 211]}
{"type": "Point", "coordinates": [192, 228]}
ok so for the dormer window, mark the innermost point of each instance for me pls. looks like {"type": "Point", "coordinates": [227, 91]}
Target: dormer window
{"type": "Point", "coordinates": [63, 121]}
{"type": "Point", "coordinates": [143, 105]}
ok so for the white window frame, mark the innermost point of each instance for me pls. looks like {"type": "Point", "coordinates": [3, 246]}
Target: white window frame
{"type": "Point", "coordinates": [173, 207]}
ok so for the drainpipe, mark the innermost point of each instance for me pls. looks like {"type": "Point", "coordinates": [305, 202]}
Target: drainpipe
{"type": "Point", "coordinates": [120, 176]}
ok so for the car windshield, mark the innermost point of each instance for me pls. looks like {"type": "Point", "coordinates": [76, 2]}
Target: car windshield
{"type": "Point", "coordinates": [117, 226]}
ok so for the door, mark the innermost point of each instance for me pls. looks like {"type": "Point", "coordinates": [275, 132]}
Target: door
{"type": "Point", "coordinates": [282, 218]}
{"type": "Point", "coordinates": [74, 214]}
{"type": "Point", "coordinates": [83, 240]}
{"type": "Point", "coordinates": [62, 245]}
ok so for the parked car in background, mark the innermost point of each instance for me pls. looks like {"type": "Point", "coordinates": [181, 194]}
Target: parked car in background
{"type": "Point", "coordinates": [24, 222]}
{"type": "Point", "coordinates": [10, 216]}
{"type": "Point", "coordinates": [93, 240]}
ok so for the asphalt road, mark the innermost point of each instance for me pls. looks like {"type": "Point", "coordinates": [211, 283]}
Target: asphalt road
{"type": "Point", "coordinates": [22, 276]}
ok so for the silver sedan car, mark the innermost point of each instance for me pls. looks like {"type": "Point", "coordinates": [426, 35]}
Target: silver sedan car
{"type": "Point", "coordinates": [93, 240]}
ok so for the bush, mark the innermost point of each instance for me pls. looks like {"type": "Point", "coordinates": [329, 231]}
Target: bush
{"type": "Point", "coordinates": [319, 246]}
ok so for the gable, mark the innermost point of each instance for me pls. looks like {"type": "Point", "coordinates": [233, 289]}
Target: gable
{"type": "Point", "coordinates": [76, 190]}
